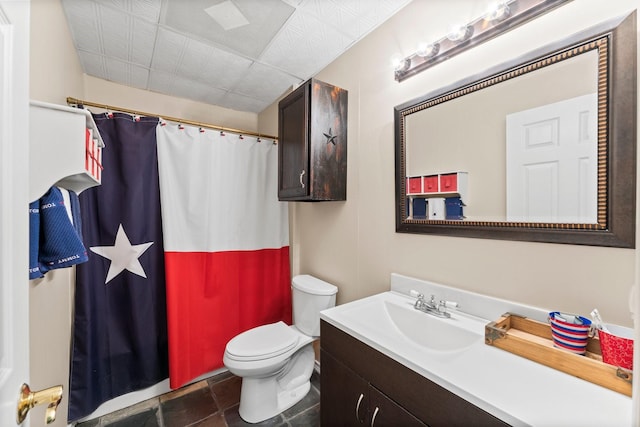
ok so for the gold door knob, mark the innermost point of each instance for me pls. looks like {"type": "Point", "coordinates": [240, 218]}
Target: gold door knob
{"type": "Point", "coordinates": [28, 399]}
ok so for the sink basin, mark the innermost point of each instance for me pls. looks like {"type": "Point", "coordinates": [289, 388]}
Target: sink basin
{"type": "Point", "coordinates": [389, 320]}
{"type": "Point", "coordinates": [429, 331]}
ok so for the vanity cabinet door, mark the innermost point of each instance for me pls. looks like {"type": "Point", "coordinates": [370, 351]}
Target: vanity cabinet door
{"type": "Point", "coordinates": [384, 412]}
{"type": "Point", "coordinates": [347, 399]}
{"type": "Point", "coordinates": [293, 145]}
{"type": "Point", "coordinates": [344, 396]}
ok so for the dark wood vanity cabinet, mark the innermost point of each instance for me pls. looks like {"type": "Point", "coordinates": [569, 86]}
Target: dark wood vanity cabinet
{"type": "Point", "coordinates": [312, 143]}
{"type": "Point", "coordinates": [351, 369]}
{"type": "Point", "coordinates": [352, 401]}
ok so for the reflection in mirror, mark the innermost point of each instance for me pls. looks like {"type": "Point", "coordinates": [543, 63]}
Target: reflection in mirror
{"type": "Point", "coordinates": [532, 150]}
{"type": "Point", "coordinates": [524, 155]}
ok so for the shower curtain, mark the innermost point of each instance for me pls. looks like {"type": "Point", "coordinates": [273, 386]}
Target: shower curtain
{"type": "Point", "coordinates": [226, 242]}
{"type": "Point", "coordinates": [120, 327]}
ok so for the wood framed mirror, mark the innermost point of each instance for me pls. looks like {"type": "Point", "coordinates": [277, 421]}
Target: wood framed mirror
{"type": "Point", "coordinates": [542, 148]}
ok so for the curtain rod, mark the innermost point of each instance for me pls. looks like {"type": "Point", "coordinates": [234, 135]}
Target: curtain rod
{"type": "Point", "coordinates": [75, 101]}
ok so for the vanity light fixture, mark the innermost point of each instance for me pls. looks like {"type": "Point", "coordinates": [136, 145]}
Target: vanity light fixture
{"type": "Point", "coordinates": [501, 16]}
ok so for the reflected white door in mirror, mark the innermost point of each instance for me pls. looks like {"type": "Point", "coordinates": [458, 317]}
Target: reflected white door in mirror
{"type": "Point", "coordinates": [552, 162]}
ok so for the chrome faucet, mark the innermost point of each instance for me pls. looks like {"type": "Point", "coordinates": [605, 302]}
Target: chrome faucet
{"type": "Point", "coordinates": [432, 307]}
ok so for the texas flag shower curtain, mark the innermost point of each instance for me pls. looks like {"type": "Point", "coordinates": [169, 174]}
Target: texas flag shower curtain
{"type": "Point", "coordinates": [120, 327]}
{"type": "Point", "coordinates": [226, 242]}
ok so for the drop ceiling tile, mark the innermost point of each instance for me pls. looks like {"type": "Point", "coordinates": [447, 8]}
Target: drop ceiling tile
{"type": "Point", "coordinates": [93, 64]}
{"type": "Point", "coordinates": [220, 70]}
{"type": "Point", "coordinates": [354, 18]}
{"type": "Point", "coordinates": [253, 83]}
{"type": "Point", "coordinates": [127, 74]}
{"type": "Point", "coordinates": [240, 102]}
{"type": "Point", "coordinates": [84, 24]}
{"type": "Point", "coordinates": [113, 70]}
{"type": "Point", "coordinates": [198, 61]}
{"type": "Point", "coordinates": [341, 15]}
{"type": "Point", "coordinates": [266, 17]}
{"type": "Point", "coordinates": [144, 9]}
{"type": "Point", "coordinates": [100, 29]}
{"type": "Point", "coordinates": [305, 46]}
{"type": "Point", "coordinates": [127, 38]}
{"type": "Point", "coordinates": [184, 88]}
{"type": "Point", "coordinates": [170, 47]}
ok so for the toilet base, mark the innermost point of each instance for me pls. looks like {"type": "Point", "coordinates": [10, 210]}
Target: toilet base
{"type": "Point", "coordinates": [261, 409]}
{"type": "Point", "coordinates": [263, 398]}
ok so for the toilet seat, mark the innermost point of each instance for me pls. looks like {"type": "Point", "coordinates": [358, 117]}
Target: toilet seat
{"type": "Point", "coordinates": [262, 342]}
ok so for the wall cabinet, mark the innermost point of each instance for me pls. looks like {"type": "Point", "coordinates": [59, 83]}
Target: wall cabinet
{"type": "Point", "coordinates": [312, 143]}
{"type": "Point", "coordinates": [394, 393]}
{"type": "Point", "coordinates": [64, 149]}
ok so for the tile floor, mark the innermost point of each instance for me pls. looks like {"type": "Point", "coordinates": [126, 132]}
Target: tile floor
{"type": "Point", "coordinates": [209, 403]}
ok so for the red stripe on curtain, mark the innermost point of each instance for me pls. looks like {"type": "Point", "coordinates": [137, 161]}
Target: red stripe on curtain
{"type": "Point", "coordinates": [212, 297]}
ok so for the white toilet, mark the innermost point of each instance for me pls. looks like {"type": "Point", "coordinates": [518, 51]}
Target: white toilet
{"type": "Point", "coordinates": [276, 361]}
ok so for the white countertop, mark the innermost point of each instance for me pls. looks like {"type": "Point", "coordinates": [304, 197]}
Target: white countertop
{"type": "Point", "coordinates": [516, 390]}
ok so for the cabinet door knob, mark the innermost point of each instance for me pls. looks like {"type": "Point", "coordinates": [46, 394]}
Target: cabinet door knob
{"type": "Point", "coordinates": [373, 418]}
{"type": "Point", "coordinates": [301, 175]}
{"type": "Point", "coordinates": [358, 407]}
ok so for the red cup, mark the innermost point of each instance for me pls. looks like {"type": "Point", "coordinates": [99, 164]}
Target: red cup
{"type": "Point", "coordinates": [617, 346]}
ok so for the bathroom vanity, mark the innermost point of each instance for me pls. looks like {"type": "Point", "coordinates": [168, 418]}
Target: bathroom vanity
{"type": "Point", "coordinates": [359, 381]}
{"type": "Point", "coordinates": [385, 363]}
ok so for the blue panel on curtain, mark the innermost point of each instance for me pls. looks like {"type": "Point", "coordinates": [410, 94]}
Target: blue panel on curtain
{"type": "Point", "coordinates": [120, 330]}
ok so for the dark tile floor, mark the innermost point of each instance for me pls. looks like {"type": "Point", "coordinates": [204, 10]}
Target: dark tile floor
{"type": "Point", "coordinates": [209, 403]}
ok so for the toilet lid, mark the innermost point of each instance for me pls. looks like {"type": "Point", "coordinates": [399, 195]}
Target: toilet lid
{"type": "Point", "coordinates": [262, 342]}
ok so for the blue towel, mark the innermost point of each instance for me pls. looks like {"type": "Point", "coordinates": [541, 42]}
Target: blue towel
{"type": "Point", "coordinates": [59, 242]}
{"type": "Point", "coordinates": [34, 240]}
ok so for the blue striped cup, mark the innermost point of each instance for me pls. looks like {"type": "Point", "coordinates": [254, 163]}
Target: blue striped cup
{"type": "Point", "coordinates": [569, 331]}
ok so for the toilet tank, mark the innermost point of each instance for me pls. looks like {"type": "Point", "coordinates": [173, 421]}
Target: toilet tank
{"type": "Point", "coordinates": [310, 296]}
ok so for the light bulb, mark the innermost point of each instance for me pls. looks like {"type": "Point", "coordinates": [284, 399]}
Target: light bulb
{"type": "Point", "coordinates": [399, 63]}
{"type": "Point", "coordinates": [427, 50]}
{"type": "Point", "coordinates": [497, 11]}
{"type": "Point", "coordinates": [459, 33]}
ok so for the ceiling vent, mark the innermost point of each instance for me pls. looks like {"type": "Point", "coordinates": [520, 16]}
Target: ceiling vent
{"type": "Point", "coordinates": [227, 15]}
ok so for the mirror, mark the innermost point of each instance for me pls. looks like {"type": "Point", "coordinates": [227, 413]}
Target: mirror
{"type": "Point", "coordinates": [542, 148]}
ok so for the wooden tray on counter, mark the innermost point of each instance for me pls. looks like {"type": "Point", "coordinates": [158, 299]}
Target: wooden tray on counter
{"type": "Point", "coordinates": [532, 339]}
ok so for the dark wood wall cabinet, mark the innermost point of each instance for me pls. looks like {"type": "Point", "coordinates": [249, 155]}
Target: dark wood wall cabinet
{"type": "Point", "coordinates": [361, 386]}
{"type": "Point", "coordinates": [312, 143]}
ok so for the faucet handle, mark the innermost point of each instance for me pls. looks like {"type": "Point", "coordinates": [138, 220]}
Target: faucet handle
{"type": "Point", "coordinates": [416, 294]}
{"type": "Point", "coordinates": [419, 299]}
{"type": "Point", "coordinates": [443, 305]}
{"type": "Point", "coordinates": [449, 304]}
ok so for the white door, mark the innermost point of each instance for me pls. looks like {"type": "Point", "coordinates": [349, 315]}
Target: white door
{"type": "Point", "coordinates": [552, 162]}
{"type": "Point", "coordinates": [14, 230]}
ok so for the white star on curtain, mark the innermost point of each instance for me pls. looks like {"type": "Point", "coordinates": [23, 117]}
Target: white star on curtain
{"type": "Point", "coordinates": [123, 255]}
